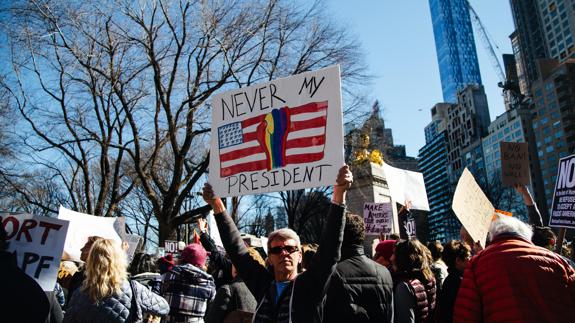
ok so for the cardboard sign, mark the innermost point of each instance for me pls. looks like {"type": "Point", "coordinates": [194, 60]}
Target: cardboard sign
{"type": "Point", "coordinates": [38, 242]}
{"type": "Point", "coordinates": [282, 135]}
{"type": "Point", "coordinates": [83, 226]}
{"type": "Point", "coordinates": [514, 163]}
{"type": "Point", "coordinates": [405, 185]}
{"type": "Point", "coordinates": [377, 218]}
{"type": "Point", "coordinates": [171, 246]}
{"type": "Point", "coordinates": [563, 210]}
{"type": "Point", "coordinates": [472, 207]}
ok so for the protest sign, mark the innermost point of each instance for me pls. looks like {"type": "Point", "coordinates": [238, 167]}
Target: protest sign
{"type": "Point", "coordinates": [472, 207]}
{"type": "Point", "coordinates": [133, 241]}
{"type": "Point", "coordinates": [377, 218]}
{"type": "Point", "coordinates": [170, 246]}
{"type": "Point", "coordinates": [405, 185]}
{"type": "Point", "coordinates": [83, 226]}
{"type": "Point", "coordinates": [282, 135]}
{"type": "Point", "coordinates": [514, 163]}
{"type": "Point", "coordinates": [37, 242]}
{"type": "Point", "coordinates": [563, 210]}
{"type": "Point", "coordinates": [214, 232]}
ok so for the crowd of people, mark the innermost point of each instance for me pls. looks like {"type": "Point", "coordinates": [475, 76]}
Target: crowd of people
{"type": "Point", "coordinates": [516, 277]}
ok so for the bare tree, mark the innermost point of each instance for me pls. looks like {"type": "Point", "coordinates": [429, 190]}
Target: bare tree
{"type": "Point", "coordinates": [115, 94]}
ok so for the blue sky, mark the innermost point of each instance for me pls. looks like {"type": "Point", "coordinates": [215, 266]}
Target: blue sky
{"type": "Point", "coordinates": [397, 39]}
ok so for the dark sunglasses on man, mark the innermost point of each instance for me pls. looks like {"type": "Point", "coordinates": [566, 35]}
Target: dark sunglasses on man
{"type": "Point", "coordinates": [278, 250]}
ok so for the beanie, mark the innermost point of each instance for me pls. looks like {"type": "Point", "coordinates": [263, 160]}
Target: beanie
{"type": "Point", "coordinates": [385, 248]}
{"type": "Point", "coordinates": [194, 254]}
{"type": "Point", "coordinates": [166, 263]}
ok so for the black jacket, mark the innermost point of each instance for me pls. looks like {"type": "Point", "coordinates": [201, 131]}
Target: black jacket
{"type": "Point", "coordinates": [230, 297]}
{"type": "Point", "coordinates": [220, 265]}
{"type": "Point", "coordinates": [447, 296]}
{"type": "Point", "coordinates": [304, 303]}
{"type": "Point", "coordinates": [360, 290]}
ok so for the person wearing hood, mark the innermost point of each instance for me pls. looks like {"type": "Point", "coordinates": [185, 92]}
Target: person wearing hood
{"type": "Point", "coordinates": [188, 288]}
{"type": "Point", "coordinates": [360, 290]}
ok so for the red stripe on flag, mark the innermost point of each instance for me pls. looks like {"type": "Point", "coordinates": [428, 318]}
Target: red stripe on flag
{"type": "Point", "coordinates": [310, 107]}
{"type": "Point", "coordinates": [304, 158]}
{"type": "Point", "coordinates": [250, 136]}
{"type": "Point", "coordinates": [306, 142]}
{"type": "Point", "coordinates": [244, 167]}
{"type": "Point", "coordinates": [240, 153]}
{"type": "Point", "coordinates": [308, 124]}
{"type": "Point", "coordinates": [251, 121]}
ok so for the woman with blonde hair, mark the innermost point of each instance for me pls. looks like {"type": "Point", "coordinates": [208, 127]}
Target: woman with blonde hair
{"type": "Point", "coordinates": [414, 292]}
{"type": "Point", "coordinates": [107, 295]}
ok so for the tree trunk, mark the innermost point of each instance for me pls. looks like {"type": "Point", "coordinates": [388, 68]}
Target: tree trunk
{"type": "Point", "coordinates": [166, 232]}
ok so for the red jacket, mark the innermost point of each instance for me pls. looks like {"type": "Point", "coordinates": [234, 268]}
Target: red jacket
{"type": "Point", "coordinates": [513, 280]}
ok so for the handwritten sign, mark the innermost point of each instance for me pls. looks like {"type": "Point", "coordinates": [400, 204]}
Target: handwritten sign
{"type": "Point", "coordinates": [405, 185]}
{"type": "Point", "coordinates": [514, 163]}
{"type": "Point", "coordinates": [37, 242]}
{"type": "Point", "coordinates": [377, 218]}
{"type": "Point", "coordinates": [282, 135]}
{"type": "Point", "coordinates": [563, 210]}
{"type": "Point", "coordinates": [83, 226]}
{"type": "Point", "coordinates": [472, 207]}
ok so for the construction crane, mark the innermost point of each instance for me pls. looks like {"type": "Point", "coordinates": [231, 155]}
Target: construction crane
{"type": "Point", "coordinates": [511, 93]}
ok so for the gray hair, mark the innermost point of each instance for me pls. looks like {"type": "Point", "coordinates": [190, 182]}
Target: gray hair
{"type": "Point", "coordinates": [510, 225]}
{"type": "Point", "coordinates": [284, 234]}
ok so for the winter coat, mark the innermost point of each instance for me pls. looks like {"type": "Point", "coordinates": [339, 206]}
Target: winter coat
{"type": "Point", "coordinates": [301, 299]}
{"type": "Point", "coordinates": [513, 280]}
{"type": "Point", "coordinates": [447, 296]}
{"type": "Point", "coordinates": [360, 290]}
{"type": "Point", "coordinates": [413, 301]}
{"type": "Point", "coordinates": [116, 308]}
{"type": "Point", "coordinates": [439, 269]}
{"type": "Point", "coordinates": [151, 280]}
{"type": "Point", "coordinates": [229, 298]}
{"type": "Point", "coordinates": [220, 265]}
{"type": "Point", "coordinates": [188, 289]}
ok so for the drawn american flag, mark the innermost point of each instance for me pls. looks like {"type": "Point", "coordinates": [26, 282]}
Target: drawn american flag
{"type": "Point", "coordinates": [273, 140]}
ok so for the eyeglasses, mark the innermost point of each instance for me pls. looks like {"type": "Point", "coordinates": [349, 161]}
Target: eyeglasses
{"type": "Point", "coordinates": [278, 250]}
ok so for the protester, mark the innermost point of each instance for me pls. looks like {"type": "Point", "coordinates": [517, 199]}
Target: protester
{"type": "Point", "coordinates": [544, 237]}
{"type": "Point", "coordinates": [285, 296]}
{"type": "Point", "coordinates": [513, 280]}
{"type": "Point", "coordinates": [220, 265]}
{"type": "Point", "coordinates": [234, 298]}
{"type": "Point", "coordinates": [438, 267]}
{"type": "Point", "coordinates": [144, 270]}
{"type": "Point", "coordinates": [80, 274]}
{"type": "Point", "coordinates": [383, 252]}
{"type": "Point", "coordinates": [456, 255]}
{"type": "Point", "coordinates": [22, 299]}
{"type": "Point", "coordinates": [106, 295]}
{"type": "Point", "coordinates": [360, 290]}
{"type": "Point", "coordinates": [166, 263]}
{"type": "Point", "coordinates": [414, 293]}
{"type": "Point", "coordinates": [188, 287]}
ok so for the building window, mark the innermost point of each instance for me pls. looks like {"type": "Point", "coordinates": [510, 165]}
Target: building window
{"type": "Point", "coordinates": [549, 149]}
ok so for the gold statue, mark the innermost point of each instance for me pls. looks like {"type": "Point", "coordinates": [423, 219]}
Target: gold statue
{"type": "Point", "coordinates": [363, 154]}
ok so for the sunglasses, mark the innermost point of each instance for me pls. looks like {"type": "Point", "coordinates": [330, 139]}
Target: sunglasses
{"type": "Point", "coordinates": [278, 250]}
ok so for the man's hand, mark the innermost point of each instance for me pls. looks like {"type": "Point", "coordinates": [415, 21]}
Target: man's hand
{"type": "Point", "coordinates": [522, 189]}
{"type": "Point", "coordinates": [342, 184]}
{"type": "Point", "coordinates": [210, 198]}
{"type": "Point", "coordinates": [405, 208]}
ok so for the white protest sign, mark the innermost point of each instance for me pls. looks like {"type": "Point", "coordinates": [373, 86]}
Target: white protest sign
{"type": "Point", "coordinates": [405, 185]}
{"type": "Point", "coordinates": [282, 135]}
{"type": "Point", "coordinates": [472, 207]}
{"type": "Point", "coordinates": [83, 226]}
{"type": "Point", "coordinates": [214, 232]}
{"type": "Point", "coordinates": [38, 242]}
{"type": "Point", "coordinates": [171, 246]}
{"type": "Point", "coordinates": [563, 210]}
{"type": "Point", "coordinates": [377, 218]}
{"type": "Point", "coordinates": [133, 241]}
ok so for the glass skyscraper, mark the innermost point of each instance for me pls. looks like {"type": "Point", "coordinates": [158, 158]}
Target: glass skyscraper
{"type": "Point", "coordinates": [455, 46]}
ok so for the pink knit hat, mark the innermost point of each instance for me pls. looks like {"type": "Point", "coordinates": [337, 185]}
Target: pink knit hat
{"type": "Point", "coordinates": [194, 254]}
{"type": "Point", "coordinates": [385, 249]}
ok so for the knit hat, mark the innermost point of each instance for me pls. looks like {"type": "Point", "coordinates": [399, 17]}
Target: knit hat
{"type": "Point", "coordinates": [166, 263]}
{"type": "Point", "coordinates": [385, 249]}
{"type": "Point", "coordinates": [194, 254]}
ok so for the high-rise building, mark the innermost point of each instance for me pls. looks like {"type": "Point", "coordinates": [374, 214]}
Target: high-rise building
{"type": "Point", "coordinates": [544, 29]}
{"type": "Point", "coordinates": [554, 121]}
{"type": "Point", "coordinates": [441, 222]}
{"type": "Point", "coordinates": [455, 46]}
